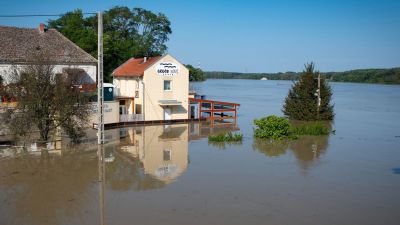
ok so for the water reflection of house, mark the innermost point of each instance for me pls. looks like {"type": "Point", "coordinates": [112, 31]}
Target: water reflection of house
{"type": "Point", "coordinates": [203, 129]}
{"type": "Point", "coordinates": [162, 150]}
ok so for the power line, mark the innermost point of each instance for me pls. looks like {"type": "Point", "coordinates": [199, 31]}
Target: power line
{"type": "Point", "coordinates": [38, 15]}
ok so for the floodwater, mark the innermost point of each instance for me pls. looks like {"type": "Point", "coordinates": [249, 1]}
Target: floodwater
{"type": "Point", "coordinates": [172, 175]}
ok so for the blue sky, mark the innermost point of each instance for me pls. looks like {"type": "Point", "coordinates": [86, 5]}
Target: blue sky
{"type": "Point", "coordinates": [259, 36]}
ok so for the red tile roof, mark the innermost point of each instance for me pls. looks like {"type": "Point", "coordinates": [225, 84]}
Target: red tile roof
{"type": "Point", "coordinates": [134, 67]}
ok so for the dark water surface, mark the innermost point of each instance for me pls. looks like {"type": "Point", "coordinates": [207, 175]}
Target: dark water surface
{"type": "Point", "coordinates": [172, 175]}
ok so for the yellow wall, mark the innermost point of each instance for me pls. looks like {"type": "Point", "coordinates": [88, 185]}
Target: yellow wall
{"type": "Point", "coordinates": [149, 146]}
{"type": "Point", "coordinates": [126, 87]}
{"type": "Point", "coordinates": [154, 91]}
{"type": "Point", "coordinates": [160, 138]}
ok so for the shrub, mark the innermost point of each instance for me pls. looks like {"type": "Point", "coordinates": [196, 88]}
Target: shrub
{"type": "Point", "coordinates": [228, 137]}
{"type": "Point", "coordinates": [217, 138]}
{"type": "Point", "coordinates": [279, 128]}
{"type": "Point", "coordinates": [272, 127]}
{"type": "Point", "coordinates": [314, 128]}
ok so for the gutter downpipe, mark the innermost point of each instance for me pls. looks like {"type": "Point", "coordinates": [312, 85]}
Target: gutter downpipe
{"type": "Point", "coordinates": [144, 97]}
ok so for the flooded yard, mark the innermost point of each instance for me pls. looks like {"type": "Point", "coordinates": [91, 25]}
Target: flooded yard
{"type": "Point", "coordinates": [171, 174]}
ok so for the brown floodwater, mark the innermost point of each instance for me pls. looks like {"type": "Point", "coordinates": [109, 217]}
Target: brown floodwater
{"type": "Point", "coordinates": [172, 175]}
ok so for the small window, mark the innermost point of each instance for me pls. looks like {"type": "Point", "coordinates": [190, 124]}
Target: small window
{"type": "Point", "coordinates": [138, 108]}
{"type": "Point", "coordinates": [167, 85]}
{"type": "Point", "coordinates": [167, 154]}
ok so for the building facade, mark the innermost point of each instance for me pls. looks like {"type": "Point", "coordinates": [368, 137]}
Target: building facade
{"type": "Point", "coordinates": [152, 89]}
{"type": "Point", "coordinates": [22, 46]}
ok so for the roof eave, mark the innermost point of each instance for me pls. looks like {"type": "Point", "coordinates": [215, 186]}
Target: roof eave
{"type": "Point", "coordinates": [127, 75]}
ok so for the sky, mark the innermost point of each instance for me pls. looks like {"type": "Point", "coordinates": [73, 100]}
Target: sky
{"type": "Point", "coordinates": [258, 35]}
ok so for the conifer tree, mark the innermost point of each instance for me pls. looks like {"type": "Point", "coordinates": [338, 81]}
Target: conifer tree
{"type": "Point", "coordinates": [302, 100]}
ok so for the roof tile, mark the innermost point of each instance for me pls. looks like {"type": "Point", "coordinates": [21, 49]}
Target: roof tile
{"type": "Point", "coordinates": [18, 45]}
{"type": "Point", "coordinates": [134, 67]}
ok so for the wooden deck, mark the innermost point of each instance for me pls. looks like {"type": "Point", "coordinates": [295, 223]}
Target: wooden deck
{"type": "Point", "coordinates": [216, 110]}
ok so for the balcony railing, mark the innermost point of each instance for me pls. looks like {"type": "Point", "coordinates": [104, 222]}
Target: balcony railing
{"type": "Point", "coordinates": [130, 117]}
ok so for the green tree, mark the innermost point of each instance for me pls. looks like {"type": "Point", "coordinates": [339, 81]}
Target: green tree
{"type": "Point", "coordinates": [195, 74]}
{"type": "Point", "coordinates": [301, 102]}
{"type": "Point", "coordinates": [127, 33]}
{"type": "Point", "coordinates": [78, 29]}
{"type": "Point", "coordinates": [46, 101]}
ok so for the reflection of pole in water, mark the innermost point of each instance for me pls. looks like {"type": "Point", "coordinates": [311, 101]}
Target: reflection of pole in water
{"type": "Point", "coordinates": [102, 182]}
{"type": "Point", "coordinates": [314, 150]}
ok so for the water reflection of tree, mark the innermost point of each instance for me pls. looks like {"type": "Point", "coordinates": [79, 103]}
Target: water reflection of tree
{"type": "Point", "coordinates": [306, 149]}
{"type": "Point", "coordinates": [223, 145]}
{"type": "Point", "coordinates": [271, 148]}
{"type": "Point", "coordinates": [48, 189]}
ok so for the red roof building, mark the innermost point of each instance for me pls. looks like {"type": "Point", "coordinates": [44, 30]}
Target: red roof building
{"type": "Point", "coordinates": [134, 67]}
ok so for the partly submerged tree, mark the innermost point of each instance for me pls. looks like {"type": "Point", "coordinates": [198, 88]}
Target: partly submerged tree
{"type": "Point", "coordinates": [127, 33]}
{"type": "Point", "coordinates": [302, 100]}
{"type": "Point", "coordinates": [46, 101]}
{"type": "Point", "coordinates": [195, 74]}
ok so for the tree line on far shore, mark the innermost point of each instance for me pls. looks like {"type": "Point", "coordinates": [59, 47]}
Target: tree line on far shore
{"type": "Point", "coordinates": [381, 76]}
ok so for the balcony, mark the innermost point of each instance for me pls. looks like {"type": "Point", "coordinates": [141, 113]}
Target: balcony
{"type": "Point", "coordinates": [130, 117]}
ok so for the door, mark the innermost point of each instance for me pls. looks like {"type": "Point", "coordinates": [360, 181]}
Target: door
{"type": "Point", "coordinates": [122, 110]}
{"type": "Point", "coordinates": [167, 113]}
{"type": "Point", "coordinates": [193, 111]}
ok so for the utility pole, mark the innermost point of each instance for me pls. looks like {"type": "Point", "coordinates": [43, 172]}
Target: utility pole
{"type": "Point", "coordinates": [102, 184]}
{"type": "Point", "coordinates": [100, 114]}
{"type": "Point", "coordinates": [319, 95]}
{"type": "Point", "coordinates": [100, 94]}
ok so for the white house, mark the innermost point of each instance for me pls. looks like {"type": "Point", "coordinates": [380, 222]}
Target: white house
{"type": "Point", "coordinates": [19, 45]}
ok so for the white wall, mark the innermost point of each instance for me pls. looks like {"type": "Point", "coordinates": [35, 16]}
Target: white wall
{"type": "Point", "coordinates": [111, 112]}
{"type": "Point", "coordinates": [126, 87]}
{"type": "Point", "coordinates": [91, 70]}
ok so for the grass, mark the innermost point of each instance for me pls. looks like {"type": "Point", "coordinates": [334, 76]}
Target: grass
{"type": "Point", "coordinates": [315, 129]}
{"type": "Point", "coordinates": [228, 137]}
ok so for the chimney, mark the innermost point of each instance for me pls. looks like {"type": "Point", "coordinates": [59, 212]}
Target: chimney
{"type": "Point", "coordinates": [145, 59]}
{"type": "Point", "coordinates": [41, 28]}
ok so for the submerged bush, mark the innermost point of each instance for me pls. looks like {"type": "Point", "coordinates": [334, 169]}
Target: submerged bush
{"type": "Point", "coordinates": [274, 127]}
{"type": "Point", "coordinates": [313, 128]}
{"type": "Point", "coordinates": [228, 137]}
{"type": "Point", "coordinates": [279, 128]}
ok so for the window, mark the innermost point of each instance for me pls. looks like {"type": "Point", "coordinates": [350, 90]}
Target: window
{"type": "Point", "coordinates": [167, 85]}
{"type": "Point", "coordinates": [138, 108]}
{"type": "Point", "coordinates": [167, 154]}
